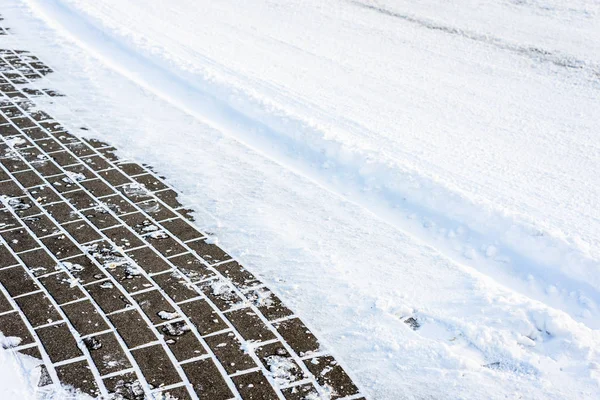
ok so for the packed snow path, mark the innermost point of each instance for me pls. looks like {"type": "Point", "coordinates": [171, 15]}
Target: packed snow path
{"type": "Point", "coordinates": [106, 283]}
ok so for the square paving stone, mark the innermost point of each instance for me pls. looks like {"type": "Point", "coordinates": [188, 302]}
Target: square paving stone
{"type": "Point", "coordinates": [249, 325]}
{"type": "Point", "coordinates": [181, 340]}
{"type": "Point", "coordinates": [156, 366]}
{"type": "Point", "coordinates": [192, 267]}
{"type": "Point", "coordinates": [38, 261]}
{"type": "Point", "coordinates": [98, 188]}
{"type": "Point", "coordinates": [207, 380]}
{"type": "Point", "coordinates": [169, 197]}
{"type": "Point", "coordinates": [238, 275]}
{"type": "Point", "coordinates": [155, 306]}
{"type": "Point", "coordinates": [114, 177]}
{"type": "Point", "coordinates": [79, 376]}
{"type": "Point", "coordinates": [61, 246]}
{"type": "Point", "coordinates": [221, 293]}
{"type": "Point", "coordinates": [125, 386]}
{"type": "Point", "coordinates": [118, 204]}
{"type": "Point", "coordinates": [107, 354]}
{"type": "Point", "coordinates": [4, 304]}
{"type": "Point", "coordinates": [46, 167]}
{"type": "Point", "coordinates": [80, 200]}
{"type": "Point", "coordinates": [328, 373]}
{"type": "Point", "coordinates": [123, 237]}
{"type": "Point", "coordinates": [61, 288]}
{"type": "Point", "coordinates": [203, 316]}
{"type": "Point", "coordinates": [300, 392]}
{"type": "Point", "coordinates": [254, 386]}
{"type": "Point", "coordinates": [100, 217]}
{"type": "Point", "coordinates": [28, 178]}
{"type": "Point", "coordinates": [6, 258]}
{"type": "Point", "coordinates": [210, 253]}
{"type": "Point", "coordinates": [297, 335]}
{"type": "Point", "coordinates": [37, 309]}
{"type": "Point", "coordinates": [280, 364]}
{"type": "Point", "coordinates": [62, 212]}
{"type": "Point", "coordinates": [44, 194]}
{"type": "Point", "coordinates": [16, 281]}
{"type": "Point", "coordinates": [84, 317]}
{"type": "Point", "coordinates": [62, 183]}
{"type": "Point", "coordinates": [96, 163]}
{"type": "Point", "coordinates": [108, 296]}
{"type": "Point", "coordinates": [175, 286]}
{"type": "Point", "coordinates": [132, 328]}
{"type": "Point", "coordinates": [268, 304]}
{"type": "Point", "coordinates": [41, 225]}
{"type": "Point", "coordinates": [150, 182]}
{"type": "Point", "coordinates": [155, 209]}
{"type": "Point", "coordinates": [59, 342]}
{"type": "Point", "coordinates": [82, 231]}
{"type": "Point", "coordinates": [181, 229]}
{"type": "Point", "coordinates": [12, 325]}
{"type": "Point", "coordinates": [10, 189]}
{"type": "Point", "coordinates": [130, 277]}
{"type": "Point", "coordinates": [164, 243]}
{"type": "Point", "coordinates": [228, 350]}
{"type": "Point", "coordinates": [83, 269]}
{"type": "Point", "coordinates": [19, 240]}
{"type": "Point", "coordinates": [63, 158]}
{"type": "Point", "coordinates": [148, 260]}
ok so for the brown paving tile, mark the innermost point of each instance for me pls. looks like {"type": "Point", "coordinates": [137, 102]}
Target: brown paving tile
{"type": "Point", "coordinates": [37, 309]}
{"type": "Point", "coordinates": [109, 153]}
{"type": "Point", "coordinates": [100, 217]}
{"type": "Point", "coordinates": [52, 126]}
{"type": "Point", "coordinates": [148, 260]}
{"type": "Point", "coordinates": [79, 376]}
{"type": "Point", "coordinates": [80, 171]}
{"type": "Point", "coordinates": [12, 325]}
{"type": "Point", "coordinates": [46, 168]}
{"type": "Point", "coordinates": [140, 223]}
{"type": "Point", "coordinates": [177, 393]}
{"type": "Point", "coordinates": [4, 304]}
{"type": "Point", "coordinates": [249, 325]}
{"type": "Point", "coordinates": [11, 189]}
{"type": "Point", "coordinates": [61, 246]}
{"type": "Point", "coordinates": [131, 168]}
{"type": "Point", "coordinates": [38, 261]}
{"type": "Point", "coordinates": [97, 144]}
{"type": "Point", "coordinates": [297, 335]}
{"type": "Point", "coordinates": [164, 243]}
{"type": "Point", "coordinates": [7, 220]}
{"type": "Point", "coordinates": [83, 269]}
{"type": "Point", "coordinates": [267, 303]}
{"type": "Point", "coordinates": [328, 373]}
{"type": "Point", "coordinates": [28, 178]}
{"type": "Point", "coordinates": [32, 352]}
{"type": "Point", "coordinates": [16, 281]}
{"type": "Point", "coordinates": [123, 237]}
{"type": "Point", "coordinates": [84, 317]}
{"type": "Point", "coordinates": [19, 240]}
{"type": "Point", "coordinates": [61, 288]}
{"type": "Point", "coordinates": [190, 266]}
{"type": "Point", "coordinates": [155, 306]}
{"type": "Point", "coordinates": [3, 175]}
{"type": "Point", "coordinates": [58, 342]}
{"type": "Point", "coordinates": [181, 229]}
{"type": "Point", "coordinates": [254, 386]}
{"type": "Point", "coordinates": [6, 258]}
{"type": "Point", "coordinates": [150, 182]}
{"type": "Point", "coordinates": [41, 225]}
{"type": "Point", "coordinates": [36, 133]}
{"type": "Point", "coordinates": [129, 276]}
{"type": "Point", "coordinates": [221, 293]}
{"type": "Point", "coordinates": [97, 188]}
{"type": "Point", "coordinates": [44, 194]}
{"type": "Point", "coordinates": [8, 130]}
{"type": "Point", "coordinates": [181, 340]}
{"type": "Point", "coordinates": [24, 206]}
{"type": "Point", "coordinates": [106, 353]}
{"type": "Point", "coordinates": [206, 380]}
{"type": "Point", "coordinates": [300, 392]}
{"type": "Point", "coordinates": [156, 366]}
{"type": "Point", "coordinates": [203, 316]}
{"type": "Point", "coordinates": [118, 204]}
{"type": "Point", "coordinates": [169, 197]}
{"type": "Point", "coordinates": [62, 212]}
{"type": "Point", "coordinates": [228, 350]}
{"type": "Point", "coordinates": [49, 145]}
{"type": "Point", "coordinates": [135, 192]}
{"type": "Point", "coordinates": [80, 149]}
{"type": "Point", "coordinates": [80, 200]}
{"type": "Point", "coordinates": [124, 387]}
{"type": "Point", "coordinates": [63, 158]}
{"type": "Point", "coordinates": [108, 296]}
{"type": "Point", "coordinates": [32, 154]}
{"type": "Point", "coordinates": [238, 275]}
{"type": "Point", "coordinates": [210, 253]}
{"type": "Point", "coordinates": [62, 183]}
{"type": "Point", "coordinates": [156, 210]}
{"type": "Point", "coordinates": [280, 364]}
{"type": "Point", "coordinates": [96, 163]}
{"type": "Point", "coordinates": [132, 328]}
{"type": "Point", "coordinates": [14, 164]}
{"type": "Point", "coordinates": [175, 286]}
{"type": "Point", "coordinates": [114, 177]}
{"type": "Point", "coordinates": [82, 231]}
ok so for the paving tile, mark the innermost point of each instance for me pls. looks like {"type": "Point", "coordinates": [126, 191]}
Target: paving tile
{"type": "Point", "coordinates": [58, 342]}
{"type": "Point", "coordinates": [249, 325]}
{"type": "Point", "coordinates": [49, 145]}
{"type": "Point", "coordinates": [46, 168]}
{"type": "Point", "coordinates": [118, 204]}
{"type": "Point", "coordinates": [62, 212]}
{"type": "Point", "coordinates": [181, 229]}
{"type": "Point", "coordinates": [6, 258]}
{"type": "Point", "coordinates": [37, 309]}
{"type": "Point", "coordinates": [80, 200]}
{"type": "Point", "coordinates": [114, 177]}
{"type": "Point", "coordinates": [61, 287]}
{"type": "Point", "coordinates": [63, 183]}
{"type": "Point", "coordinates": [5, 305]}
{"type": "Point", "coordinates": [131, 169]}
{"type": "Point", "coordinates": [150, 182]}
{"type": "Point", "coordinates": [84, 317]}
{"type": "Point", "coordinates": [23, 206]}
{"type": "Point", "coordinates": [297, 335]}
{"type": "Point", "coordinates": [148, 260]}
{"type": "Point", "coordinates": [329, 373]}
{"type": "Point", "coordinates": [19, 240]}
{"type": "Point", "coordinates": [123, 237]}
{"type": "Point", "coordinates": [7, 220]}
{"type": "Point", "coordinates": [228, 350]}
{"type": "Point", "coordinates": [176, 393]}
{"type": "Point", "coordinates": [132, 328]}
{"type": "Point", "coordinates": [82, 231]}
{"type": "Point", "coordinates": [203, 316]}
{"type": "Point", "coordinates": [221, 293]}
{"type": "Point", "coordinates": [175, 286]}
{"type": "Point", "coordinates": [12, 325]}
{"type": "Point", "coordinates": [41, 225]}
{"type": "Point", "coordinates": [210, 253]}
{"type": "Point", "coordinates": [61, 246]}
{"type": "Point", "coordinates": [135, 192]}
{"type": "Point", "coordinates": [97, 188]}
{"type": "Point", "coordinates": [11, 189]}
{"type": "Point", "coordinates": [106, 353]}
{"type": "Point", "coordinates": [169, 197]}
{"type": "Point", "coordinates": [100, 217]}
{"type": "Point", "coordinates": [78, 375]}
{"type": "Point", "coordinates": [44, 194]}
{"type": "Point", "coordinates": [300, 392]}
{"type": "Point", "coordinates": [240, 276]}
{"type": "Point", "coordinates": [155, 306]}
{"type": "Point", "coordinates": [164, 243]}
{"type": "Point", "coordinates": [181, 340]}
{"type": "Point", "coordinates": [129, 276]}
{"type": "Point", "coordinates": [16, 281]}
{"type": "Point", "coordinates": [95, 143]}
{"type": "Point", "coordinates": [190, 266]}
{"type": "Point", "coordinates": [28, 178]}
{"type": "Point", "coordinates": [156, 210]}
{"type": "Point", "coordinates": [14, 164]}
{"type": "Point", "coordinates": [63, 158]}
{"type": "Point", "coordinates": [83, 269]}
{"type": "Point", "coordinates": [267, 303]}
{"type": "Point", "coordinates": [125, 386]}
{"type": "Point", "coordinates": [38, 261]}
{"type": "Point", "coordinates": [96, 163]}
{"type": "Point", "coordinates": [254, 386]}
{"type": "Point", "coordinates": [156, 366]}
{"type": "Point", "coordinates": [80, 172]}
{"type": "Point", "coordinates": [206, 380]}
{"type": "Point", "coordinates": [108, 296]}
{"type": "Point", "coordinates": [140, 223]}
{"type": "Point", "coordinates": [280, 364]}
{"type": "Point", "coordinates": [32, 352]}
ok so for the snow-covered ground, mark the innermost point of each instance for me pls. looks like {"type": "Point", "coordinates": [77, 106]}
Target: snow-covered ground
{"type": "Point", "coordinates": [372, 161]}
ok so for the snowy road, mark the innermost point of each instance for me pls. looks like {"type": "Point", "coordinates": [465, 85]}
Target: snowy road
{"type": "Point", "coordinates": [375, 161]}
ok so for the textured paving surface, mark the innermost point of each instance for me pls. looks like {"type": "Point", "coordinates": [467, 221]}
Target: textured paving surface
{"type": "Point", "coordinates": [104, 280]}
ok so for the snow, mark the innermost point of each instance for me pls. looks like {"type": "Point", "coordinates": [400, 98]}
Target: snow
{"type": "Point", "coordinates": [371, 162]}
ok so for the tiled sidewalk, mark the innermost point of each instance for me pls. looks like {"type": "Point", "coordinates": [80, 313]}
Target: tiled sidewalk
{"type": "Point", "coordinates": [104, 280]}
